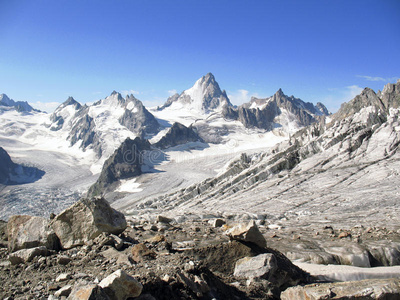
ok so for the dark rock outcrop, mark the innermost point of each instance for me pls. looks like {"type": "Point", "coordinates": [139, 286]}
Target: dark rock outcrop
{"type": "Point", "coordinates": [262, 113]}
{"type": "Point", "coordinates": [178, 134]}
{"type": "Point", "coordinates": [12, 173]}
{"type": "Point", "coordinates": [126, 162]}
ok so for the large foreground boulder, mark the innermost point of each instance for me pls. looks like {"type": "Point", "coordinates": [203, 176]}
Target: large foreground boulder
{"type": "Point", "coordinates": [26, 232]}
{"type": "Point", "coordinates": [364, 289]}
{"type": "Point", "coordinates": [85, 220]}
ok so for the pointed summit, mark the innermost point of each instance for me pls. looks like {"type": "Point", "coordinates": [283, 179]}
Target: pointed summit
{"type": "Point", "coordinates": [204, 96]}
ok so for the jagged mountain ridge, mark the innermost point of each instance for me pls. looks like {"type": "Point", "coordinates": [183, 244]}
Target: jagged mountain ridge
{"type": "Point", "coordinates": [277, 111]}
{"type": "Point", "coordinates": [20, 106]}
{"type": "Point", "coordinates": [103, 125]}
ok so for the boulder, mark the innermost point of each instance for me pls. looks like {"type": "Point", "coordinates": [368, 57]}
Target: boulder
{"type": "Point", "coordinates": [364, 289]}
{"type": "Point", "coordinates": [26, 255]}
{"type": "Point", "coordinates": [121, 286]}
{"type": "Point", "coordinates": [260, 266]}
{"type": "Point", "coordinates": [247, 233]}
{"type": "Point", "coordinates": [85, 220]}
{"type": "Point", "coordinates": [87, 292]}
{"type": "Point", "coordinates": [26, 232]}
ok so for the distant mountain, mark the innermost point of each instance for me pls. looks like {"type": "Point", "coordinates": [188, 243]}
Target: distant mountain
{"type": "Point", "coordinates": [277, 111]}
{"type": "Point", "coordinates": [64, 113]}
{"type": "Point", "coordinates": [204, 96]}
{"type": "Point", "coordinates": [125, 162]}
{"type": "Point", "coordinates": [12, 173]}
{"type": "Point", "coordinates": [178, 134]}
{"type": "Point", "coordinates": [21, 106]}
{"type": "Point", "coordinates": [104, 125]}
{"type": "Point", "coordinates": [344, 166]}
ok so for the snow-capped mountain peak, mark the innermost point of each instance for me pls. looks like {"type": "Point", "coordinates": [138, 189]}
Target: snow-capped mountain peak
{"type": "Point", "coordinates": [204, 96]}
{"type": "Point", "coordinates": [21, 106]}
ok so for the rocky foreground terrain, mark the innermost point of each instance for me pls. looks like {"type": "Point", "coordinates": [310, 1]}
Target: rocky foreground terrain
{"type": "Point", "coordinates": [90, 251]}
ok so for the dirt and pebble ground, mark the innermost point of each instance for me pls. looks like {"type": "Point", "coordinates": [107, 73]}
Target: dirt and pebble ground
{"type": "Point", "coordinates": [189, 260]}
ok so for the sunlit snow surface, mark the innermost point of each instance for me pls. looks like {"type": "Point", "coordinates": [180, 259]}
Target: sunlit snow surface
{"type": "Point", "coordinates": [28, 141]}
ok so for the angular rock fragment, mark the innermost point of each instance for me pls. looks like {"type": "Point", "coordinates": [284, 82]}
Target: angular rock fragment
{"type": "Point", "coordinates": [26, 232]}
{"type": "Point", "coordinates": [260, 266]}
{"type": "Point", "coordinates": [26, 255]}
{"type": "Point", "coordinates": [247, 233]}
{"type": "Point", "coordinates": [216, 223]}
{"type": "Point", "coordinates": [121, 286]}
{"type": "Point", "coordinates": [88, 292]}
{"type": "Point", "coordinates": [64, 291]}
{"type": "Point", "coordinates": [85, 220]}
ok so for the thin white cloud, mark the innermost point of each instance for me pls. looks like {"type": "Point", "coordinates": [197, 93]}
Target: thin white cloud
{"type": "Point", "coordinates": [337, 96]}
{"type": "Point", "coordinates": [351, 91]}
{"type": "Point", "coordinates": [376, 78]}
{"type": "Point", "coordinates": [172, 92]}
{"type": "Point", "coordinates": [128, 92]}
{"type": "Point", "coordinates": [45, 106]}
{"type": "Point", "coordinates": [241, 96]}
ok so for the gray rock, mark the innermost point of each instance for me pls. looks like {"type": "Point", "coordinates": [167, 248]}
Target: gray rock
{"type": "Point", "coordinates": [260, 266]}
{"type": "Point", "coordinates": [247, 233]}
{"type": "Point", "coordinates": [26, 255]}
{"type": "Point", "coordinates": [120, 286]}
{"type": "Point", "coordinates": [85, 220]}
{"type": "Point", "coordinates": [28, 232]}
{"type": "Point", "coordinates": [365, 289]}
{"type": "Point", "coordinates": [87, 292]}
{"type": "Point", "coordinates": [64, 291]}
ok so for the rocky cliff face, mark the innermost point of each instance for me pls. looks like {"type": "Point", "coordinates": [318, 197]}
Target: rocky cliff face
{"type": "Point", "coordinates": [178, 134]}
{"type": "Point", "coordinates": [126, 162]}
{"type": "Point", "coordinates": [279, 110]}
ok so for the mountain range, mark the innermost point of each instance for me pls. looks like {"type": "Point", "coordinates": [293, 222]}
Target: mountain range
{"type": "Point", "coordinates": [199, 133]}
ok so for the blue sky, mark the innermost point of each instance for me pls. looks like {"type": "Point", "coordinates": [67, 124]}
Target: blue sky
{"type": "Point", "coordinates": [316, 50]}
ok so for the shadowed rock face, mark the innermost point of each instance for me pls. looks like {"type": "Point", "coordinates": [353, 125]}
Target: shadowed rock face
{"type": "Point", "coordinates": [126, 162]}
{"type": "Point", "coordinates": [178, 134]}
{"type": "Point", "coordinates": [262, 113]}
{"type": "Point", "coordinates": [12, 173]}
